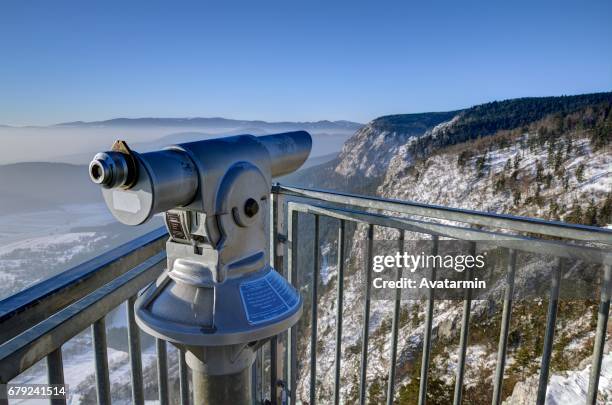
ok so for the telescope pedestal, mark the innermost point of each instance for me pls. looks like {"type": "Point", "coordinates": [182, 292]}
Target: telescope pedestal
{"type": "Point", "coordinates": [218, 377]}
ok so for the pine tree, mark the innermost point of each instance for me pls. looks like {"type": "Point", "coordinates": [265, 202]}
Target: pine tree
{"type": "Point", "coordinates": [539, 172]}
{"type": "Point", "coordinates": [517, 161]}
{"type": "Point", "coordinates": [604, 216]}
{"type": "Point", "coordinates": [517, 197]}
{"type": "Point", "coordinates": [580, 173]}
{"type": "Point", "coordinates": [590, 215]}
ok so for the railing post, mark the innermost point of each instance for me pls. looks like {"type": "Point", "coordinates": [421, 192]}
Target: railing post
{"type": "Point", "coordinates": [98, 330]}
{"type": "Point", "coordinates": [428, 328]}
{"type": "Point", "coordinates": [292, 263]}
{"type": "Point", "coordinates": [395, 325]}
{"type": "Point", "coordinates": [339, 307]}
{"type": "Point", "coordinates": [600, 334]}
{"type": "Point", "coordinates": [55, 373]}
{"type": "Point", "coordinates": [162, 371]}
{"type": "Point", "coordinates": [551, 319]}
{"type": "Point", "coordinates": [505, 327]}
{"type": "Point", "coordinates": [313, 315]}
{"type": "Point", "coordinates": [277, 229]}
{"type": "Point", "coordinates": [135, 354]}
{"type": "Point", "coordinates": [465, 330]}
{"type": "Point", "coordinates": [183, 378]}
{"type": "Point", "coordinates": [366, 316]}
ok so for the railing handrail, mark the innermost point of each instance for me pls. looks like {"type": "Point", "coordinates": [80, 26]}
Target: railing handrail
{"type": "Point", "coordinates": [28, 307]}
{"type": "Point", "coordinates": [518, 242]}
{"type": "Point", "coordinates": [22, 352]}
{"type": "Point", "coordinates": [505, 221]}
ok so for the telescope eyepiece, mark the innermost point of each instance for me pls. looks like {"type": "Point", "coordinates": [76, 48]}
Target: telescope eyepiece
{"type": "Point", "coordinates": [109, 169]}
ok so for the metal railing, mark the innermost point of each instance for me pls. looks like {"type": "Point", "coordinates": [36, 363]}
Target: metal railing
{"type": "Point", "coordinates": [35, 323]}
{"type": "Point", "coordinates": [518, 235]}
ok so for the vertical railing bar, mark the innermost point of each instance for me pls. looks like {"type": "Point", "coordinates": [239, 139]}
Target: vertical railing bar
{"type": "Point", "coordinates": [395, 324]}
{"type": "Point", "coordinates": [600, 334]}
{"type": "Point", "coordinates": [505, 328]}
{"type": "Point", "coordinates": [3, 393]}
{"type": "Point", "coordinates": [551, 319]}
{"type": "Point", "coordinates": [292, 258]}
{"type": "Point", "coordinates": [313, 315]}
{"type": "Point", "coordinates": [339, 307]}
{"type": "Point", "coordinates": [428, 329]}
{"type": "Point", "coordinates": [277, 347]}
{"type": "Point", "coordinates": [162, 371]}
{"type": "Point", "coordinates": [366, 317]}
{"type": "Point", "coordinates": [254, 379]}
{"type": "Point", "coordinates": [55, 373]}
{"type": "Point", "coordinates": [465, 329]}
{"type": "Point", "coordinates": [135, 354]}
{"type": "Point", "coordinates": [260, 360]}
{"type": "Point", "coordinates": [183, 378]}
{"type": "Point", "coordinates": [98, 331]}
{"type": "Point", "coordinates": [273, 368]}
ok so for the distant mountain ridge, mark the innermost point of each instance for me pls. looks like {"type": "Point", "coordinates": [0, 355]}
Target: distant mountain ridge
{"type": "Point", "coordinates": [215, 122]}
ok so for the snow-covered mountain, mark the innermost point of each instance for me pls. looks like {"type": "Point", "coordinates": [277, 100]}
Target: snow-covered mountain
{"type": "Point", "coordinates": [549, 158]}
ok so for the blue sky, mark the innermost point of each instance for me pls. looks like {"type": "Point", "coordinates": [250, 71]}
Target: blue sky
{"type": "Point", "coordinates": [292, 60]}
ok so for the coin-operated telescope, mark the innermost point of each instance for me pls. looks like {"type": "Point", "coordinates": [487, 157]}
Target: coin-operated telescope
{"type": "Point", "coordinates": [219, 299]}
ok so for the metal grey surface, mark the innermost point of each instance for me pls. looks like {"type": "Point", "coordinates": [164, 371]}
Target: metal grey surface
{"type": "Point", "coordinates": [428, 327]}
{"type": "Point", "coordinates": [162, 371]}
{"type": "Point", "coordinates": [600, 334]}
{"type": "Point", "coordinates": [27, 308]}
{"type": "Point", "coordinates": [22, 352]}
{"type": "Point", "coordinates": [339, 308]}
{"type": "Point", "coordinates": [521, 224]}
{"type": "Point", "coordinates": [292, 266]}
{"type": "Point", "coordinates": [217, 389]}
{"type": "Point", "coordinates": [505, 328]}
{"type": "Point", "coordinates": [183, 378]}
{"type": "Point", "coordinates": [463, 338]}
{"type": "Point", "coordinates": [363, 366]}
{"type": "Point", "coordinates": [55, 373]}
{"type": "Point", "coordinates": [135, 354]}
{"type": "Point", "coordinates": [313, 312]}
{"type": "Point", "coordinates": [98, 333]}
{"type": "Point", "coordinates": [551, 319]}
{"type": "Point", "coordinates": [395, 327]}
{"type": "Point", "coordinates": [493, 239]}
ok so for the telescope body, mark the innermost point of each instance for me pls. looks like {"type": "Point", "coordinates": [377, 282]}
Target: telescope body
{"type": "Point", "coordinates": [138, 186]}
{"type": "Point", "coordinates": [219, 299]}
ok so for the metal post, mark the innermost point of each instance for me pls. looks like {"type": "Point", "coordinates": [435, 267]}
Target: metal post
{"type": "Point", "coordinates": [366, 317]}
{"type": "Point", "coordinates": [339, 307]}
{"type": "Point", "coordinates": [213, 382]}
{"type": "Point", "coordinates": [98, 330]}
{"type": "Point", "coordinates": [465, 330]}
{"type": "Point", "coordinates": [277, 225]}
{"type": "Point", "coordinates": [183, 378]}
{"type": "Point", "coordinates": [428, 328]}
{"type": "Point", "coordinates": [551, 320]}
{"type": "Point", "coordinates": [600, 334]}
{"type": "Point", "coordinates": [162, 371]}
{"type": "Point", "coordinates": [505, 327]}
{"type": "Point", "coordinates": [135, 354]}
{"type": "Point", "coordinates": [217, 389]}
{"type": "Point", "coordinates": [313, 316]}
{"type": "Point", "coordinates": [55, 373]}
{"type": "Point", "coordinates": [292, 260]}
{"type": "Point", "coordinates": [395, 325]}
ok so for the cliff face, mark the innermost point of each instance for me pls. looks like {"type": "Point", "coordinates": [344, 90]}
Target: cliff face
{"type": "Point", "coordinates": [368, 152]}
{"type": "Point", "coordinates": [555, 165]}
